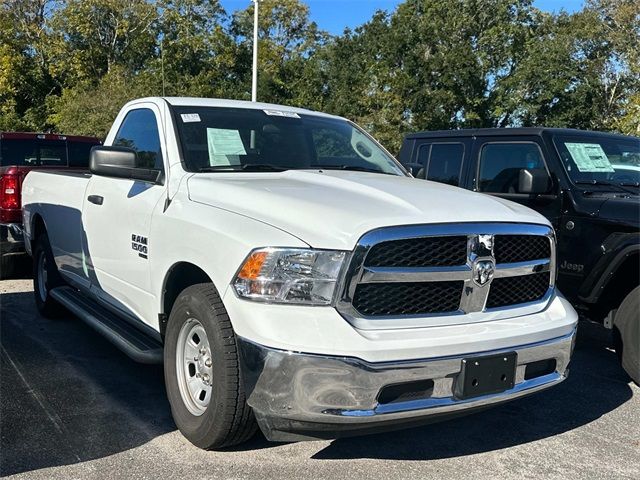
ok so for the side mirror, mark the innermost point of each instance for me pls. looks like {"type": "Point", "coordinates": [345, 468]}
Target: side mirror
{"type": "Point", "coordinates": [120, 162]}
{"type": "Point", "coordinates": [533, 181]}
{"type": "Point", "coordinates": [415, 169]}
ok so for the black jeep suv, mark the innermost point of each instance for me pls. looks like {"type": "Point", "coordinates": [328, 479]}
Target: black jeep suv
{"type": "Point", "coordinates": [586, 183]}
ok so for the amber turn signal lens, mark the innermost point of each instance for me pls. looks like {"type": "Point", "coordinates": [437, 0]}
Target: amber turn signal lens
{"type": "Point", "coordinates": [251, 268]}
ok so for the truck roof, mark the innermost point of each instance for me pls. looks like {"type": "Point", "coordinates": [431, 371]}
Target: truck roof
{"type": "Point", "coordinates": [47, 136]}
{"type": "Point", "coordinates": [505, 132]}
{"type": "Point", "coordinates": [221, 102]}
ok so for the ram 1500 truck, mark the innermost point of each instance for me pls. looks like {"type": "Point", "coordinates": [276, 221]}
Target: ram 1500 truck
{"type": "Point", "coordinates": [586, 183]}
{"type": "Point", "coordinates": [292, 275]}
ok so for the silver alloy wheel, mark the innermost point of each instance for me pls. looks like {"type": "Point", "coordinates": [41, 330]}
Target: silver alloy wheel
{"type": "Point", "coordinates": [42, 276]}
{"type": "Point", "coordinates": [194, 366]}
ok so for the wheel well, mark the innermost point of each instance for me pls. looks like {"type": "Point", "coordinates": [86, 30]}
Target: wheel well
{"type": "Point", "coordinates": [625, 278]}
{"type": "Point", "coordinates": [181, 276]}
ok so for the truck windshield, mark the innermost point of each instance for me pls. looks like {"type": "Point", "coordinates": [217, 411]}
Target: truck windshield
{"type": "Point", "coordinates": [600, 160]}
{"type": "Point", "coordinates": [240, 139]}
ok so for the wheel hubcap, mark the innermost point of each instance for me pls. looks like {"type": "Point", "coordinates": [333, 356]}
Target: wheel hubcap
{"type": "Point", "coordinates": [42, 276]}
{"type": "Point", "coordinates": [194, 366]}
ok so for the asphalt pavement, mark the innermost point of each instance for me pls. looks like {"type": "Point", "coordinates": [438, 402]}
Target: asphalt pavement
{"type": "Point", "coordinates": [72, 406]}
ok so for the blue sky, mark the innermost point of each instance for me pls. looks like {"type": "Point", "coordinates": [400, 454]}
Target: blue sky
{"type": "Point", "coordinates": [335, 15]}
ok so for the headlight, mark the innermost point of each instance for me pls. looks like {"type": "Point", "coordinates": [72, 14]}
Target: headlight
{"type": "Point", "coordinates": [289, 275]}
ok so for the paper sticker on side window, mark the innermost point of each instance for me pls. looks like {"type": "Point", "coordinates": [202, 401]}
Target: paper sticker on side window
{"type": "Point", "coordinates": [225, 146]}
{"type": "Point", "coordinates": [589, 157]}
{"type": "Point", "coordinates": [280, 113]}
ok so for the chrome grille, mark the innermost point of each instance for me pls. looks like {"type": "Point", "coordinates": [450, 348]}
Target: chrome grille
{"type": "Point", "coordinates": [411, 274]}
{"type": "Point", "coordinates": [407, 298]}
{"type": "Point", "coordinates": [419, 252]}
{"type": "Point", "coordinates": [521, 248]}
{"type": "Point", "coordinates": [514, 290]}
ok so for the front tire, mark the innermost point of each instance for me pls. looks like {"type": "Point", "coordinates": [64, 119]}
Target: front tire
{"type": "Point", "coordinates": [45, 278]}
{"type": "Point", "coordinates": [627, 334]}
{"type": "Point", "coordinates": [202, 372]}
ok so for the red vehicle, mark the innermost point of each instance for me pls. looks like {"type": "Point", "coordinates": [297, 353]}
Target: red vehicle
{"type": "Point", "coordinates": [19, 154]}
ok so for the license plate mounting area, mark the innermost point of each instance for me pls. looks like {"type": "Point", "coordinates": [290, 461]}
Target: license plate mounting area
{"type": "Point", "coordinates": [486, 375]}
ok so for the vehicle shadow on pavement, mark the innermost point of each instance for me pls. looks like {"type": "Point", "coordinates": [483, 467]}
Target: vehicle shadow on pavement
{"type": "Point", "coordinates": [68, 396]}
{"type": "Point", "coordinates": [596, 385]}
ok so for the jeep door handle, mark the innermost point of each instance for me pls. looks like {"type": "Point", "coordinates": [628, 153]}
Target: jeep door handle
{"type": "Point", "coordinates": [97, 199]}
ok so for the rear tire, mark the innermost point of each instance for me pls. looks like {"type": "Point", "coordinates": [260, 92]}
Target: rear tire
{"type": "Point", "coordinates": [45, 278]}
{"type": "Point", "coordinates": [626, 334]}
{"type": "Point", "coordinates": [8, 267]}
{"type": "Point", "coordinates": [202, 372]}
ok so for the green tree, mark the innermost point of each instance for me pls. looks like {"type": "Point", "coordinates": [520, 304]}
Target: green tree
{"type": "Point", "coordinates": [429, 65]}
{"type": "Point", "coordinates": [24, 78]}
{"type": "Point", "coordinates": [88, 109]}
{"type": "Point", "coordinates": [620, 21]}
{"type": "Point", "coordinates": [578, 70]}
{"type": "Point", "coordinates": [89, 37]}
{"type": "Point", "coordinates": [355, 77]}
{"type": "Point", "coordinates": [198, 56]}
{"type": "Point", "coordinates": [287, 40]}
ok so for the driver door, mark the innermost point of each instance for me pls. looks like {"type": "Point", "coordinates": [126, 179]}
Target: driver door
{"type": "Point", "coordinates": [498, 164]}
{"type": "Point", "coordinates": [117, 217]}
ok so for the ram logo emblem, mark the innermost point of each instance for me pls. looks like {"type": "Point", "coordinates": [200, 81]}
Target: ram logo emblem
{"type": "Point", "coordinates": [483, 272]}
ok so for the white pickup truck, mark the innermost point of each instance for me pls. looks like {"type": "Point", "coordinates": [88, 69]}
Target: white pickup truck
{"type": "Point", "coordinates": [292, 275]}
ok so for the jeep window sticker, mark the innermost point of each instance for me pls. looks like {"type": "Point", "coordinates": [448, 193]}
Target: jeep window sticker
{"type": "Point", "coordinates": [589, 157]}
{"type": "Point", "coordinates": [140, 244]}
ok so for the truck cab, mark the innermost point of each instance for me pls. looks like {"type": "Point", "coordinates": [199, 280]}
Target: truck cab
{"type": "Point", "coordinates": [586, 183]}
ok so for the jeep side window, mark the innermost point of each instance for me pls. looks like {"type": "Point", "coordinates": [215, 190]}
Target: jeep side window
{"type": "Point", "coordinates": [442, 162]}
{"type": "Point", "coordinates": [445, 163]}
{"type": "Point", "coordinates": [139, 131]}
{"type": "Point", "coordinates": [500, 165]}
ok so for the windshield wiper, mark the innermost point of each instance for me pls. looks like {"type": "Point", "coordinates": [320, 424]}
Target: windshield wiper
{"type": "Point", "coordinates": [603, 183]}
{"type": "Point", "coordinates": [354, 168]}
{"type": "Point", "coordinates": [249, 167]}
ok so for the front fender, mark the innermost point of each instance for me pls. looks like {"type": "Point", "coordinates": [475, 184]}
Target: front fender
{"type": "Point", "coordinates": [616, 248]}
{"type": "Point", "coordinates": [215, 240]}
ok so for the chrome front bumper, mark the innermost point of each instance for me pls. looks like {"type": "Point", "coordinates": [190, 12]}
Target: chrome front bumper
{"type": "Point", "coordinates": [297, 396]}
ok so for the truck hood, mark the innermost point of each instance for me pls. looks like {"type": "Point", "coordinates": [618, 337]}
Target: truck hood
{"type": "Point", "coordinates": [621, 209]}
{"type": "Point", "coordinates": [333, 209]}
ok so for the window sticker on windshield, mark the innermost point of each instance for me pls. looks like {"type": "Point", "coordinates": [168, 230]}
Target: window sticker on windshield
{"type": "Point", "coordinates": [223, 144]}
{"type": "Point", "coordinates": [190, 117]}
{"type": "Point", "coordinates": [589, 157]}
{"type": "Point", "coordinates": [280, 113]}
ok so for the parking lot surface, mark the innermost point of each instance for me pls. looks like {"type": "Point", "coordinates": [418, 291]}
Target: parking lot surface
{"type": "Point", "coordinates": [72, 406]}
